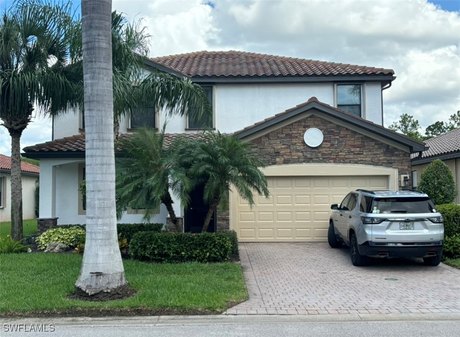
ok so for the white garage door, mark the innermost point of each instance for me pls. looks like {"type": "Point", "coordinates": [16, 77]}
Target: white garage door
{"type": "Point", "coordinates": [298, 208]}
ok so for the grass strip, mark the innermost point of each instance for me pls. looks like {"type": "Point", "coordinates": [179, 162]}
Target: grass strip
{"type": "Point", "coordinates": [38, 284]}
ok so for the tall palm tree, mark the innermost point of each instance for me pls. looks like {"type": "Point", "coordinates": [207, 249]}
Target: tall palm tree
{"type": "Point", "coordinates": [147, 170]}
{"type": "Point", "coordinates": [102, 267]}
{"type": "Point", "coordinates": [222, 162]}
{"type": "Point", "coordinates": [34, 48]}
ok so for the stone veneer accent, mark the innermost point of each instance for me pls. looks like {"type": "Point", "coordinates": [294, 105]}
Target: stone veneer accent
{"type": "Point", "coordinates": [341, 145]}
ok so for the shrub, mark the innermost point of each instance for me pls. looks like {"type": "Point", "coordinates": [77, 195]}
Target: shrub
{"type": "Point", "coordinates": [126, 231]}
{"type": "Point", "coordinates": [437, 181]}
{"type": "Point", "coordinates": [451, 246]}
{"type": "Point", "coordinates": [180, 247]}
{"type": "Point", "coordinates": [9, 246]}
{"type": "Point", "coordinates": [231, 235]}
{"type": "Point", "coordinates": [451, 215]}
{"type": "Point", "coordinates": [70, 236]}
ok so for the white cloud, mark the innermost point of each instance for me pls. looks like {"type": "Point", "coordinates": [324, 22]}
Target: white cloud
{"type": "Point", "coordinates": [415, 38]}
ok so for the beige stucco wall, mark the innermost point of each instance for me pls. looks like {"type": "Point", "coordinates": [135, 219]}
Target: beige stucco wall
{"type": "Point", "coordinates": [454, 166]}
{"type": "Point", "coordinates": [28, 198]}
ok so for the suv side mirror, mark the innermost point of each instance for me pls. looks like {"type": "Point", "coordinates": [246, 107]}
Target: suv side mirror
{"type": "Point", "coordinates": [334, 206]}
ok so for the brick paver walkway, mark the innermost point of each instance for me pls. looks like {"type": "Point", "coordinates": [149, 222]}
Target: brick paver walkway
{"type": "Point", "coordinates": [313, 279]}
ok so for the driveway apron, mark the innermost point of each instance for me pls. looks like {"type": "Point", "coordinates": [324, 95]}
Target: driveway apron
{"type": "Point", "coordinates": [313, 279]}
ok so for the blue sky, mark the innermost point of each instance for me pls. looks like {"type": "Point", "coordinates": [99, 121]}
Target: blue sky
{"type": "Point", "coordinates": [417, 39]}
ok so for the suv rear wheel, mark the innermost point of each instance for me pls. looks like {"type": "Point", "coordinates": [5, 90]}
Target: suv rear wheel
{"type": "Point", "coordinates": [356, 258]}
{"type": "Point", "coordinates": [432, 260]}
{"type": "Point", "coordinates": [332, 237]}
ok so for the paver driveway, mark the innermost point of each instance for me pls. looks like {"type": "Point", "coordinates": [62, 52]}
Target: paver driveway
{"type": "Point", "coordinates": [311, 278]}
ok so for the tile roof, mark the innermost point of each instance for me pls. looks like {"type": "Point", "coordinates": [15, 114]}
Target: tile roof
{"type": "Point", "coordinates": [76, 144]}
{"type": "Point", "coordinates": [5, 165]}
{"type": "Point", "coordinates": [244, 64]}
{"type": "Point", "coordinates": [448, 143]}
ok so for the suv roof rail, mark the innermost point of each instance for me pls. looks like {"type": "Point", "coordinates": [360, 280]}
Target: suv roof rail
{"type": "Point", "coordinates": [367, 191]}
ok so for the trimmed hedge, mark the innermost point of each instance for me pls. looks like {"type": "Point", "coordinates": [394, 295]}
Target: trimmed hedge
{"type": "Point", "coordinates": [127, 231]}
{"type": "Point", "coordinates": [451, 215]}
{"type": "Point", "coordinates": [451, 247]}
{"type": "Point", "coordinates": [234, 240]}
{"type": "Point", "coordinates": [180, 247]}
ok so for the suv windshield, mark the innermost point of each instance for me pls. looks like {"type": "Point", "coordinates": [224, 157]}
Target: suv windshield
{"type": "Point", "coordinates": [402, 205]}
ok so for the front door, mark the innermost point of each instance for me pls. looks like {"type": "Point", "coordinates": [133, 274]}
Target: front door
{"type": "Point", "coordinates": [196, 211]}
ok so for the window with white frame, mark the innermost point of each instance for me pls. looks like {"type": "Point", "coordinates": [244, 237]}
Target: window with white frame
{"type": "Point", "coordinates": [349, 98]}
{"type": "Point", "coordinates": [195, 122]}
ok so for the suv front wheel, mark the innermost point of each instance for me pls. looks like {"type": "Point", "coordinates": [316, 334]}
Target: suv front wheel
{"type": "Point", "coordinates": [356, 258]}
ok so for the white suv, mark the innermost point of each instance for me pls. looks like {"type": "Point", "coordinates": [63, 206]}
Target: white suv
{"type": "Point", "coordinates": [387, 224]}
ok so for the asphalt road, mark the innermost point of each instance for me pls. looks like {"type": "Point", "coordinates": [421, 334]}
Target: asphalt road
{"type": "Point", "coordinates": [226, 326]}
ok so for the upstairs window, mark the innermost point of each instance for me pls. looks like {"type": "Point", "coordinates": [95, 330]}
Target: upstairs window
{"type": "Point", "coordinates": [349, 98]}
{"type": "Point", "coordinates": [143, 118]}
{"type": "Point", "coordinates": [205, 122]}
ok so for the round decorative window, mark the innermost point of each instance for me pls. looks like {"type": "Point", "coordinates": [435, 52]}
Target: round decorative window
{"type": "Point", "coordinates": [313, 137]}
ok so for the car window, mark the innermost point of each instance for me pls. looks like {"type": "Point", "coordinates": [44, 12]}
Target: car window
{"type": "Point", "coordinates": [344, 204]}
{"type": "Point", "coordinates": [352, 201]}
{"type": "Point", "coordinates": [403, 205]}
{"type": "Point", "coordinates": [365, 205]}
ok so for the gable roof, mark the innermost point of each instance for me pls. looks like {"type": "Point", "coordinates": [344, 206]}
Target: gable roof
{"type": "Point", "coordinates": [329, 111]}
{"type": "Point", "coordinates": [5, 166]}
{"type": "Point", "coordinates": [231, 65]}
{"type": "Point", "coordinates": [74, 146]}
{"type": "Point", "coordinates": [446, 146]}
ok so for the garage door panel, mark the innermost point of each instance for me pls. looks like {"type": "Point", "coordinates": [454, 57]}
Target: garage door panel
{"type": "Point", "coordinates": [298, 208]}
{"type": "Point", "coordinates": [284, 199]}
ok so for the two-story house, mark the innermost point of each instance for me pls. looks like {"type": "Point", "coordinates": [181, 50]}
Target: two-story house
{"type": "Point", "coordinates": [317, 125]}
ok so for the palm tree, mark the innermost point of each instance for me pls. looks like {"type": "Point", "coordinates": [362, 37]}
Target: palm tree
{"type": "Point", "coordinates": [102, 267]}
{"type": "Point", "coordinates": [34, 47]}
{"type": "Point", "coordinates": [147, 170]}
{"type": "Point", "coordinates": [221, 162]}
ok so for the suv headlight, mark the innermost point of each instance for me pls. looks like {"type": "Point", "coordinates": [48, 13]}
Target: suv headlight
{"type": "Point", "coordinates": [371, 220]}
{"type": "Point", "coordinates": [436, 219]}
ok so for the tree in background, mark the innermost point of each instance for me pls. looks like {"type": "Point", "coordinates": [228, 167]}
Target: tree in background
{"type": "Point", "coordinates": [438, 183]}
{"type": "Point", "coordinates": [35, 38]}
{"type": "Point", "coordinates": [408, 126]}
{"type": "Point", "coordinates": [436, 129]}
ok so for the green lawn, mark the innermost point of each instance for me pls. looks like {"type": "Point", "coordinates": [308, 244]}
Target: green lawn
{"type": "Point", "coordinates": [30, 227]}
{"type": "Point", "coordinates": [452, 262]}
{"type": "Point", "coordinates": [37, 284]}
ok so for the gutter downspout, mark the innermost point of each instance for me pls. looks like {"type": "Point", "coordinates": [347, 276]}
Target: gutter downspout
{"type": "Point", "coordinates": [387, 86]}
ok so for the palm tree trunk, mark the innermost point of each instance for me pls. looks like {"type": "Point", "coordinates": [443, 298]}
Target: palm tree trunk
{"type": "Point", "coordinates": [212, 209]}
{"type": "Point", "coordinates": [16, 185]}
{"type": "Point", "coordinates": [102, 268]}
{"type": "Point", "coordinates": [167, 201]}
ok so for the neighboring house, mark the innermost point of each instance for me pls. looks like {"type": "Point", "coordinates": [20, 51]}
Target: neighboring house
{"type": "Point", "coordinates": [30, 175]}
{"type": "Point", "coordinates": [445, 147]}
{"type": "Point", "coordinates": [317, 125]}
